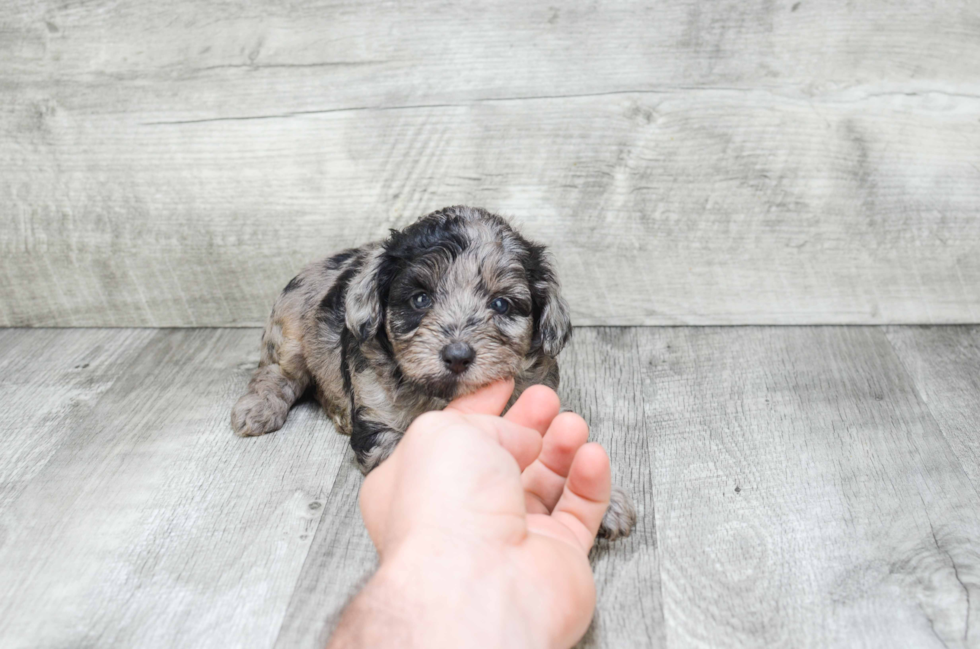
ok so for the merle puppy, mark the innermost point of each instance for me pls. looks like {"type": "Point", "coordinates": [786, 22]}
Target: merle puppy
{"type": "Point", "coordinates": [393, 329]}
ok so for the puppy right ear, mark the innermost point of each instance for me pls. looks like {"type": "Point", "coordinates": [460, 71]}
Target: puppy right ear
{"type": "Point", "coordinates": [553, 326]}
{"type": "Point", "coordinates": [363, 300]}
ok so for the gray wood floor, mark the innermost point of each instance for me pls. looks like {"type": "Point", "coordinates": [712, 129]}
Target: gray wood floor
{"type": "Point", "coordinates": [797, 486]}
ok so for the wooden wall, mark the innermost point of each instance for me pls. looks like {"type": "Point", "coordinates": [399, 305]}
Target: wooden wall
{"type": "Point", "coordinates": [724, 162]}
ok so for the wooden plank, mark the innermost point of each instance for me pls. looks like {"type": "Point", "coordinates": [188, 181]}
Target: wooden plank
{"type": "Point", "coordinates": [720, 207]}
{"type": "Point", "coordinates": [281, 56]}
{"type": "Point", "coordinates": [944, 363]}
{"type": "Point", "coordinates": [804, 494]}
{"type": "Point", "coordinates": [49, 380]}
{"type": "Point", "coordinates": [340, 561]}
{"type": "Point", "coordinates": [602, 379]}
{"type": "Point", "coordinates": [152, 525]}
{"type": "Point", "coordinates": [755, 162]}
{"type": "Point", "coordinates": [627, 571]}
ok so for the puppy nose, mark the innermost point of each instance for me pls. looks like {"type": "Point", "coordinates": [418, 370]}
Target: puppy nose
{"type": "Point", "coordinates": [458, 356]}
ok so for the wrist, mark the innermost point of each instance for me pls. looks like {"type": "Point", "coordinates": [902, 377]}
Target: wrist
{"type": "Point", "coordinates": [434, 593]}
{"type": "Point", "coordinates": [467, 589]}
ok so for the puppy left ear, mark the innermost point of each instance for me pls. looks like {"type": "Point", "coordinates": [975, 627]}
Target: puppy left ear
{"type": "Point", "coordinates": [552, 324]}
{"type": "Point", "coordinates": [363, 300]}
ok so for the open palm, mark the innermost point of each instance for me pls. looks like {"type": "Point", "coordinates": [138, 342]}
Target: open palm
{"type": "Point", "coordinates": [524, 492]}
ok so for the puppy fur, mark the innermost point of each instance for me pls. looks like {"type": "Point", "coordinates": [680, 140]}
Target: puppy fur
{"type": "Point", "coordinates": [368, 330]}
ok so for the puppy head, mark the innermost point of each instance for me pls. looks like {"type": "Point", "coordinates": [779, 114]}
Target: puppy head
{"type": "Point", "coordinates": [460, 300]}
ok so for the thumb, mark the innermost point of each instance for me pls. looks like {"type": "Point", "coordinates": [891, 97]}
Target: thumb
{"type": "Point", "coordinates": [488, 400]}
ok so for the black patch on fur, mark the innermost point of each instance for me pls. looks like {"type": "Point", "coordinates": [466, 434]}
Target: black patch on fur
{"type": "Point", "coordinates": [352, 360]}
{"type": "Point", "coordinates": [440, 231]}
{"type": "Point", "coordinates": [520, 307]}
{"type": "Point", "coordinates": [293, 284]}
{"type": "Point", "coordinates": [404, 319]}
{"type": "Point", "coordinates": [384, 344]}
{"type": "Point", "coordinates": [331, 310]}
{"type": "Point", "coordinates": [347, 343]}
{"type": "Point", "coordinates": [407, 282]}
{"type": "Point", "coordinates": [356, 360]}
{"type": "Point", "coordinates": [364, 433]}
{"type": "Point", "coordinates": [338, 260]}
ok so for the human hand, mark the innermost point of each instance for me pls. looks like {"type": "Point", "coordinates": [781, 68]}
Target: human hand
{"type": "Point", "coordinates": [484, 526]}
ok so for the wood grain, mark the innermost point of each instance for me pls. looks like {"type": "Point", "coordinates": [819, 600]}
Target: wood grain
{"type": "Point", "coordinates": [944, 363]}
{"type": "Point", "coordinates": [689, 163]}
{"type": "Point", "coordinates": [340, 561]}
{"type": "Point", "coordinates": [151, 524]}
{"type": "Point", "coordinates": [49, 381]}
{"type": "Point", "coordinates": [287, 56]}
{"type": "Point", "coordinates": [793, 490]}
{"type": "Point", "coordinates": [602, 379]}
{"type": "Point", "coordinates": [805, 495]}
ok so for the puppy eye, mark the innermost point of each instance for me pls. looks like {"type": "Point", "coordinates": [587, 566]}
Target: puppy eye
{"type": "Point", "coordinates": [421, 301]}
{"type": "Point", "coordinates": [500, 305]}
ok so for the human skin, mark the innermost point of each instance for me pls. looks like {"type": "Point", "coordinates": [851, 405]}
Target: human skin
{"type": "Point", "coordinates": [483, 526]}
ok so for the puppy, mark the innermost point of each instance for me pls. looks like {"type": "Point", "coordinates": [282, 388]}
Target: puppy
{"type": "Point", "coordinates": [393, 329]}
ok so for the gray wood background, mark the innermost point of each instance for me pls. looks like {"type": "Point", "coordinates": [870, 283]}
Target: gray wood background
{"type": "Point", "coordinates": [750, 161]}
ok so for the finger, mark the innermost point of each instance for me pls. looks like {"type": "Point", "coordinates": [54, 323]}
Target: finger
{"type": "Point", "coordinates": [535, 408]}
{"type": "Point", "coordinates": [586, 495]}
{"type": "Point", "coordinates": [544, 479]}
{"type": "Point", "coordinates": [524, 444]}
{"type": "Point", "coordinates": [488, 400]}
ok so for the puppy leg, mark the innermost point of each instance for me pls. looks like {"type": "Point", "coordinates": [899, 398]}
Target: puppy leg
{"type": "Point", "coordinates": [372, 442]}
{"type": "Point", "coordinates": [263, 408]}
{"type": "Point", "coordinates": [619, 518]}
{"type": "Point", "coordinates": [281, 379]}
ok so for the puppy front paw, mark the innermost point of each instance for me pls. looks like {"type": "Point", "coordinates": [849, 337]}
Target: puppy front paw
{"type": "Point", "coordinates": [253, 415]}
{"type": "Point", "coordinates": [619, 518]}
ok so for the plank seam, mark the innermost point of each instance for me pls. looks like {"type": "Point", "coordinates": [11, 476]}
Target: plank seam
{"type": "Point", "coordinates": [588, 95]}
{"type": "Point", "coordinates": [324, 512]}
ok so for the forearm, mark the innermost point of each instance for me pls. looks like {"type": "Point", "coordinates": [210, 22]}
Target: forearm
{"type": "Point", "coordinates": [426, 598]}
